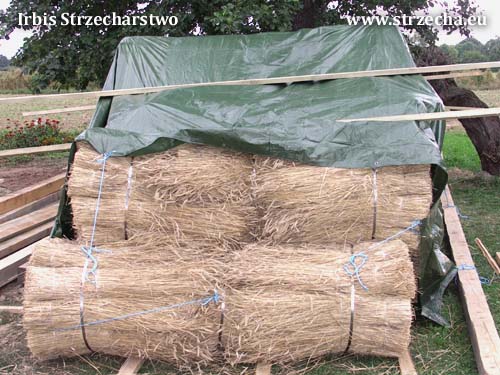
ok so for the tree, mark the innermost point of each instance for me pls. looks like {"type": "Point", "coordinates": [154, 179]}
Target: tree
{"type": "Point", "coordinates": [76, 55]}
{"type": "Point", "coordinates": [4, 62]}
{"type": "Point", "coordinates": [484, 132]}
{"type": "Point", "coordinates": [492, 48]}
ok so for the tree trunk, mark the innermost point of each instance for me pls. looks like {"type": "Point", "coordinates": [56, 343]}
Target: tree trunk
{"type": "Point", "coordinates": [307, 17]}
{"type": "Point", "coordinates": [484, 132]}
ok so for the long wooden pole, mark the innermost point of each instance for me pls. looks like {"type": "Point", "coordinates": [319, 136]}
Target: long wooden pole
{"type": "Point", "coordinates": [92, 107]}
{"type": "Point", "coordinates": [265, 81]}
{"type": "Point", "coordinates": [469, 113]}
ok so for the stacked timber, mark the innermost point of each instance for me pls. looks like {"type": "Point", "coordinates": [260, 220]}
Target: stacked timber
{"type": "Point", "coordinates": [203, 255]}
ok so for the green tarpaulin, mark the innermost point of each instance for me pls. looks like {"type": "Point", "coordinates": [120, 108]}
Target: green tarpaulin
{"type": "Point", "coordinates": [296, 121]}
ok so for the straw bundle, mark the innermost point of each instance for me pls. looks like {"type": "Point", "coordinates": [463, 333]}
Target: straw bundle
{"type": "Point", "coordinates": [288, 304]}
{"type": "Point", "coordinates": [309, 204]}
{"type": "Point", "coordinates": [185, 194]}
{"type": "Point", "coordinates": [196, 174]}
{"type": "Point", "coordinates": [125, 283]}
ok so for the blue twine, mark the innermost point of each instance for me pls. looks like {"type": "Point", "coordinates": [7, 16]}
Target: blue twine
{"type": "Point", "coordinates": [353, 268]}
{"type": "Point", "coordinates": [215, 298]}
{"type": "Point", "coordinates": [87, 250]}
{"type": "Point", "coordinates": [468, 267]}
{"type": "Point", "coordinates": [459, 213]}
{"type": "Point", "coordinates": [356, 267]}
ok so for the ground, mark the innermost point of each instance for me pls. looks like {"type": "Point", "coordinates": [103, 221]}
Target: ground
{"type": "Point", "coordinates": [435, 350]}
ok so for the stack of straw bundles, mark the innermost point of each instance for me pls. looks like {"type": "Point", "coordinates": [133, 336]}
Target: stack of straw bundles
{"type": "Point", "coordinates": [185, 194]}
{"type": "Point", "coordinates": [305, 204]}
{"type": "Point", "coordinates": [278, 304]}
{"type": "Point", "coordinates": [127, 280]}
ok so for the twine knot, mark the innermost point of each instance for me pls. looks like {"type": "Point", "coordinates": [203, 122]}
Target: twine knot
{"type": "Point", "coordinates": [105, 157]}
{"type": "Point", "coordinates": [353, 268]}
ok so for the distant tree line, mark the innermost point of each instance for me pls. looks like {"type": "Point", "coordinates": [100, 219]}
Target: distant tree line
{"type": "Point", "coordinates": [471, 50]}
{"type": "Point", "coordinates": [4, 62]}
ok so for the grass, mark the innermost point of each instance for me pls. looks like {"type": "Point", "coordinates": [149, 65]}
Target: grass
{"type": "Point", "coordinates": [436, 350]}
{"type": "Point", "coordinates": [459, 152]}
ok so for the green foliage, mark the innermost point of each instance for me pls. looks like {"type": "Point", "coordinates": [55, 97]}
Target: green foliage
{"type": "Point", "coordinates": [33, 133]}
{"type": "Point", "coordinates": [73, 56]}
{"type": "Point", "coordinates": [472, 50]}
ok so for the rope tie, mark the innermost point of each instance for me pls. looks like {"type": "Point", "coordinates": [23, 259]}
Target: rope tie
{"type": "Point", "coordinates": [215, 298]}
{"type": "Point", "coordinates": [88, 251]}
{"type": "Point", "coordinates": [353, 267]}
{"type": "Point", "coordinates": [482, 279]}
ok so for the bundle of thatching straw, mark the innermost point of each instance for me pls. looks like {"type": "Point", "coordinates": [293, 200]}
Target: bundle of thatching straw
{"type": "Point", "coordinates": [128, 280]}
{"type": "Point", "coordinates": [308, 204]}
{"type": "Point", "coordinates": [288, 304]}
{"type": "Point", "coordinates": [278, 304]}
{"type": "Point", "coordinates": [185, 194]}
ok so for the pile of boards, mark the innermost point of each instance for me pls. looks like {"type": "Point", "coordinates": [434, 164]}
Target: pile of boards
{"type": "Point", "coordinates": [203, 255]}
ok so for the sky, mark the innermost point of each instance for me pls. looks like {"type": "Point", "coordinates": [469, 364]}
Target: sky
{"type": "Point", "coordinates": [491, 8]}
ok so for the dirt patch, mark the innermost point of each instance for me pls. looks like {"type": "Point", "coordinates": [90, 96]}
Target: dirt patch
{"type": "Point", "coordinates": [454, 125]}
{"type": "Point", "coordinates": [21, 175]}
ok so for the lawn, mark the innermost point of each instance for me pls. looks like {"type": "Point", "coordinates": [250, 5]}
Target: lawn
{"type": "Point", "coordinates": [435, 350]}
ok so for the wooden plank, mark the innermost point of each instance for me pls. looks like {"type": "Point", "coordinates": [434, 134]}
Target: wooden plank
{"type": "Point", "coordinates": [92, 107]}
{"type": "Point", "coordinates": [263, 369]}
{"type": "Point", "coordinates": [131, 366]}
{"type": "Point", "coordinates": [454, 75]}
{"type": "Point", "coordinates": [482, 331]}
{"type": "Point", "coordinates": [264, 81]}
{"type": "Point", "coordinates": [32, 193]}
{"type": "Point", "coordinates": [59, 110]}
{"type": "Point", "coordinates": [9, 265]}
{"type": "Point", "coordinates": [11, 309]}
{"type": "Point", "coordinates": [22, 240]}
{"type": "Point", "coordinates": [30, 207]}
{"type": "Point", "coordinates": [470, 113]}
{"type": "Point", "coordinates": [406, 364]}
{"type": "Point", "coordinates": [498, 258]}
{"type": "Point", "coordinates": [28, 222]}
{"type": "Point", "coordinates": [488, 256]}
{"type": "Point", "coordinates": [21, 272]}
{"type": "Point", "coordinates": [35, 150]}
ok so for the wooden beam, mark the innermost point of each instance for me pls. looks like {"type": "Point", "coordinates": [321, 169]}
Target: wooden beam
{"type": "Point", "coordinates": [32, 193]}
{"type": "Point", "coordinates": [488, 256]}
{"type": "Point", "coordinates": [406, 364]}
{"type": "Point", "coordinates": [263, 369]}
{"type": "Point", "coordinates": [454, 75]}
{"type": "Point", "coordinates": [470, 113]}
{"type": "Point", "coordinates": [264, 81]}
{"type": "Point", "coordinates": [92, 107]}
{"type": "Point", "coordinates": [9, 266]}
{"type": "Point", "coordinates": [35, 150]}
{"type": "Point", "coordinates": [28, 222]}
{"type": "Point", "coordinates": [498, 258]}
{"type": "Point", "coordinates": [11, 309]}
{"type": "Point", "coordinates": [131, 366]}
{"type": "Point", "coordinates": [30, 207]}
{"type": "Point", "coordinates": [25, 239]}
{"type": "Point", "coordinates": [60, 110]}
{"type": "Point", "coordinates": [482, 331]}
